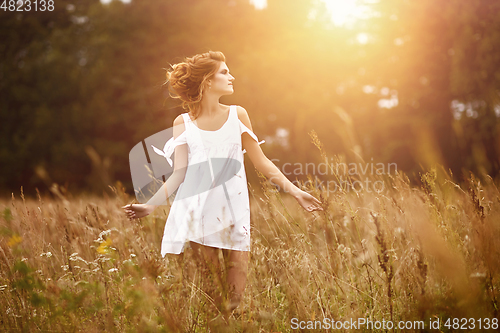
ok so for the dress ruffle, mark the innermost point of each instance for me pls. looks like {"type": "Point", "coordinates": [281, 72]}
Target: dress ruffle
{"type": "Point", "coordinates": [170, 145]}
{"type": "Point", "coordinates": [244, 129]}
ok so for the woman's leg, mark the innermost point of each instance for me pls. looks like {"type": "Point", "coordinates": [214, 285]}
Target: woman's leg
{"type": "Point", "coordinates": [208, 259]}
{"type": "Point", "coordinates": [236, 264]}
{"type": "Point", "coordinates": [237, 269]}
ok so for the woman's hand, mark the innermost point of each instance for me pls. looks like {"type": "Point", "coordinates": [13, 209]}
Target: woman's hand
{"type": "Point", "coordinates": [308, 202]}
{"type": "Point", "coordinates": [136, 211]}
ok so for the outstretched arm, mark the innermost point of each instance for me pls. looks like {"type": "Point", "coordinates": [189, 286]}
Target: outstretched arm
{"type": "Point", "coordinates": [172, 183]}
{"type": "Point", "coordinates": [270, 170]}
{"type": "Point", "coordinates": [180, 166]}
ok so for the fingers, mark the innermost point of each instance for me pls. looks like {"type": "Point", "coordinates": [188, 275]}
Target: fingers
{"type": "Point", "coordinates": [130, 212]}
{"type": "Point", "coordinates": [313, 207]}
{"type": "Point", "coordinates": [127, 207]}
{"type": "Point", "coordinates": [318, 204]}
{"type": "Point", "coordinates": [131, 216]}
{"type": "Point", "coordinates": [315, 200]}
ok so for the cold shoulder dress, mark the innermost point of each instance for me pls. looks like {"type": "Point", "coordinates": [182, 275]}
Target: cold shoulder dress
{"type": "Point", "coordinates": [211, 206]}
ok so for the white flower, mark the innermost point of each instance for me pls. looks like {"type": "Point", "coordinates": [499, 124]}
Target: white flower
{"type": "Point", "coordinates": [111, 270]}
{"type": "Point", "coordinates": [75, 257]}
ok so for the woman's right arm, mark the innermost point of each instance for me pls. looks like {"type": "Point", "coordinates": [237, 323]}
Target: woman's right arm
{"type": "Point", "coordinates": [172, 183]}
{"type": "Point", "coordinates": [180, 166]}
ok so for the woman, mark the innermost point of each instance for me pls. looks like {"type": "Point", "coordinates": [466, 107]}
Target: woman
{"type": "Point", "coordinates": [211, 207]}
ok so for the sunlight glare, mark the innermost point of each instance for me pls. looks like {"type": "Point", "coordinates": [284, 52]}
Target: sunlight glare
{"type": "Point", "coordinates": [346, 12]}
{"type": "Point", "coordinates": [259, 4]}
{"type": "Point", "coordinates": [362, 38]}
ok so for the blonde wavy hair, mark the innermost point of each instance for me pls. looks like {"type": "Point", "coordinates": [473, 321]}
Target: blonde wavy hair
{"type": "Point", "coordinates": [187, 80]}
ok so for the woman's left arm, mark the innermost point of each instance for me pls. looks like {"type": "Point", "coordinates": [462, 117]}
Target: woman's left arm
{"type": "Point", "coordinates": [270, 170]}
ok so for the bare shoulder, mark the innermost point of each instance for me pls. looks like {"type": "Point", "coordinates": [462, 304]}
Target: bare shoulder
{"type": "Point", "coordinates": [243, 116]}
{"type": "Point", "coordinates": [241, 111]}
{"type": "Point", "coordinates": [179, 120]}
{"type": "Point", "coordinates": [178, 126]}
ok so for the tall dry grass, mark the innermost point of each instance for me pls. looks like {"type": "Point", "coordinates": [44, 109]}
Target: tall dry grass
{"type": "Point", "coordinates": [408, 253]}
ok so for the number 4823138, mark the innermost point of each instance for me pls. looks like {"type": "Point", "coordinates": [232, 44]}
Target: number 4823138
{"type": "Point", "coordinates": [27, 6]}
{"type": "Point", "coordinates": [471, 323]}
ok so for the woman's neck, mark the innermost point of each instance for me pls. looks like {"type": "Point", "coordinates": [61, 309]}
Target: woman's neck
{"type": "Point", "coordinates": [210, 106]}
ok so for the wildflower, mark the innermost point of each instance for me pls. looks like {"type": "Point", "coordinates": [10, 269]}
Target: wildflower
{"type": "Point", "coordinates": [14, 240]}
{"type": "Point", "coordinates": [111, 270]}
{"type": "Point", "coordinates": [102, 258]}
{"type": "Point", "coordinates": [76, 257]}
{"type": "Point", "coordinates": [104, 247]}
{"type": "Point", "coordinates": [103, 233]}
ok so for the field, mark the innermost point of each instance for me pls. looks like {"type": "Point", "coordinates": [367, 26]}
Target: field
{"type": "Point", "coordinates": [407, 254]}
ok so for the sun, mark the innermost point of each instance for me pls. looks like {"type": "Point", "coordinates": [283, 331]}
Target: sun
{"type": "Point", "coordinates": [259, 4]}
{"type": "Point", "coordinates": [347, 12]}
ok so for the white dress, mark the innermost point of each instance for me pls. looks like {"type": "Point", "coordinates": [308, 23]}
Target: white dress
{"type": "Point", "coordinates": [211, 206]}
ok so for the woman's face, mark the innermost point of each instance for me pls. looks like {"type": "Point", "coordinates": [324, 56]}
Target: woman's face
{"type": "Point", "coordinates": [222, 82]}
